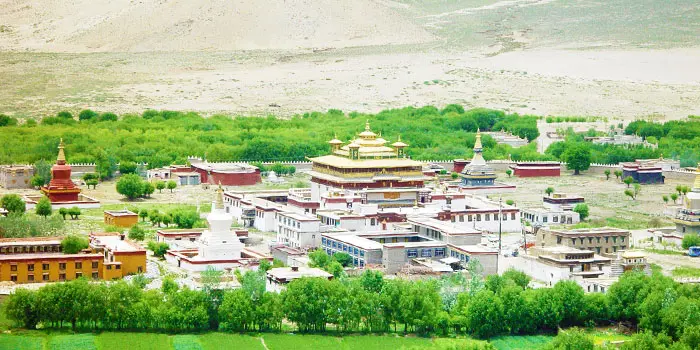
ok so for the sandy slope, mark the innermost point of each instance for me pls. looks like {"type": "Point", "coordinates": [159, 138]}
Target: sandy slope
{"type": "Point", "coordinates": [198, 25]}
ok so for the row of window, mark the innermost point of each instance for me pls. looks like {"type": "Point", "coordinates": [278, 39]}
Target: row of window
{"type": "Point", "coordinates": [426, 253]}
{"type": "Point", "coordinates": [590, 239]}
{"type": "Point", "coordinates": [328, 243]}
{"type": "Point", "coordinates": [30, 249]}
{"type": "Point", "coordinates": [356, 261]}
{"type": "Point", "coordinates": [487, 217]}
{"type": "Point", "coordinates": [289, 222]}
{"type": "Point", "coordinates": [61, 277]}
{"type": "Point", "coordinates": [462, 257]}
{"type": "Point", "coordinates": [61, 266]}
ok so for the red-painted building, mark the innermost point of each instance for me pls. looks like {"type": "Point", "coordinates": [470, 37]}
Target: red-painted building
{"type": "Point", "coordinates": [459, 164]}
{"type": "Point", "coordinates": [228, 174]}
{"type": "Point", "coordinates": [61, 188]}
{"type": "Point", "coordinates": [536, 169]}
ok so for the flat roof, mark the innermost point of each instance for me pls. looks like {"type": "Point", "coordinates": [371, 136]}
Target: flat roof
{"type": "Point", "coordinates": [357, 241]}
{"type": "Point", "coordinates": [120, 213]}
{"type": "Point", "coordinates": [47, 256]}
{"type": "Point", "coordinates": [584, 231]}
{"type": "Point", "coordinates": [561, 249]}
{"type": "Point", "coordinates": [287, 274]}
{"type": "Point", "coordinates": [442, 226]}
{"type": "Point", "coordinates": [225, 167]}
{"type": "Point", "coordinates": [476, 249]}
{"type": "Point", "coordinates": [115, 243]}
{"type": "Point", "coordinates": [426, 244]}
{"type": "Point", "coordinates": [26, 240]}
{"type": "Point", "coordinates": [297, 216]}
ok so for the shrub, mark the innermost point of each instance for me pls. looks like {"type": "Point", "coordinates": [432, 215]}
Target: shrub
{"type": "Point", "coordinates": [73, 244]}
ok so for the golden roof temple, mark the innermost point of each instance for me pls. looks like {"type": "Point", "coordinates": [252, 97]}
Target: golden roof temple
{"type": "Point", "coordinates": [367, 162]}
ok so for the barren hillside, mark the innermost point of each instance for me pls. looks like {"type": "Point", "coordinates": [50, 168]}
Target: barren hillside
{"type": "Point", "coordinates": [201, 25]}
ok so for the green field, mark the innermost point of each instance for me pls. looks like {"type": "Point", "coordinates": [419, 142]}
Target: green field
{"type": "Point", "coordinates": [521, 342]}
{"type": "Point", "coordinates": [148, 341]}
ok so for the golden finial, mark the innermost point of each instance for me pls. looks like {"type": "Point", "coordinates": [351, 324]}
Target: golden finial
{"type": "Point", "coordinates": [477, 143]}
{"type": "Point", "coordinates": [219, 197]}
{"type": "Point", "coordinates": [367, 125]}
{"type": "Point", "coordinates": [399, 138]}
{"type": "Point", "coordinates": [61, 155]}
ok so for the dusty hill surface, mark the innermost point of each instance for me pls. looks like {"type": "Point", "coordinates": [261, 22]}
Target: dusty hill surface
{"type": "Point", "coordinates": [201, 25]}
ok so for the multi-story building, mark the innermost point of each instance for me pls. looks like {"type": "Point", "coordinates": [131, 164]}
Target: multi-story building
{"type": "Point", "coordinates": [536, 169]}
{"type": "Point", "coordinates": [562, 201]}
{"type": "Point", "coordinates": [544, 216]}
{"type": "Point", "coordinates": [39, 259]}
{"type": "Point", "coordinates": [643, 172]}
{"type": "Point", "coordinates": [16, 176]}
{"type": "Point", "coordinates": [370, 171]}
{"type": "Point", "coordinates": [298, 230]}
{"type": "Point", "coordinates": [599, 240]}
{"type": "Point", "coordinates": [226, 174]}
{"type": "Point", "coordinates": [552, 264]}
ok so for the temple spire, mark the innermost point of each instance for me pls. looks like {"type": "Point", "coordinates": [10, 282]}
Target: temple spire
{"type": "Point", "coordinates": [367, 125]}
{"type": "Point", "coordinates": [219, 197]}
{"type": "Point", "coordinates": [477, 143]}
{"type": "Point", "coordinates": [61, 155]}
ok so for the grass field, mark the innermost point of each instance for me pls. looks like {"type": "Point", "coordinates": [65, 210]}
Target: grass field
{"type": "Point", "coordinates": [684, 271]}
{"type": "Point", "coordinates": [521, 342]}
{"type": "Point", "coordinates": [211, 341]}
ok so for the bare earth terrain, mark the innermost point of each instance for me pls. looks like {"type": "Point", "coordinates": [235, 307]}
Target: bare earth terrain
{"type": "Point", "coordinates": [619, 59]}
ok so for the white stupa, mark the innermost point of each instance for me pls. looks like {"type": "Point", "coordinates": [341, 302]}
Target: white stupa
{"type": "Point", "coordinates": [219, 242]}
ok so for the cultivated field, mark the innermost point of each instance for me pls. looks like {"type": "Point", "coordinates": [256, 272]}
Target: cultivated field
{"type": "Point", "coordinates": [617, 58]}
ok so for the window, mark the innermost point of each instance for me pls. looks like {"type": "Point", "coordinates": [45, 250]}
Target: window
{"type": "Point", "coordinates": [590, 239]}
{"type": "Point", "coordinates": [13, 278]}
{"type": "Point", "coordinates": [30, 267]}
{"type": "Point", "coordinates": [78, 265]}
{"type": "Point", "coordinates": [558, 240]}
{"type": "Point", "coordinates": [478, 217]}
{"type": "Point", "coordinates": [622, 239]}
{"type": "Point", "coordinates": [61, 276]}
{"type": "Point", "coordinates": [544, 219]}
{"type": "Point", "coordinates": [512, 216]}
{"type": "Point", "coordinates": [426, 253]}
{"type": "Point", "coordinates": [487, 217]}
{"type": "Point", "coordinates": [95, 264]}
{"type": "Point", "coordinates": [30, 278]}
{"type": "Point", "coordinates": [45, 277]}
{"type": "Point", "coordinates": [140, 269]}
{"type": "Point", "coordinates": [555, 219]}
{"type": "Point", "coordinates": [469, 218]}
{"type": "Point", "coordinates": [45, 267]}
{"type": "Point", "coordinates": [439, 252]}
{"type": "Point", "coordinates": [362, 253]}
{"type": "Point", "coordinates": [597, 239]}
{"type": "Point", "coordinates": [61, 266]}
{"type": "Point", "coordinates": [118, 267]}
{"type": "Point", "coordinates": [78, 274]}
{"type": "Point", "coordinates": [504, 217]}
{"type": "Point", "coordinates": [452, 218]}
{"type": "Point", "coordinates": [411, 253]}
{"type": "Point", "coordinates": [345, 248]}
{"type": "Point", "coordinates": [13, 267]}
{"type": "Point", "coordinates": [573, 241]}
{"type": "Point", "coordinates": [607, 239]}
{"type": "Point", "coordinates": [357, 251]}
{"type": "Point", "coordinates": [109, 267]}
{"type": "Point", "coordinates": [373, 221]}
{"type": "Point", "coordinates": [461, 218]}
{"type": "Point", "coordinates": [614, 239]}
{"type": "Point", "coordinates": [95, 275]}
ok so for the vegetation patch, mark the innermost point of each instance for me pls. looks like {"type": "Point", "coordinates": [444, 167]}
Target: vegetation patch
{"type": "Point", "coordinates": [685, 271]}
{"type": "Point", "coordinates": [73, 342]}
{"type": "Point", "coordinates": [21, 342]}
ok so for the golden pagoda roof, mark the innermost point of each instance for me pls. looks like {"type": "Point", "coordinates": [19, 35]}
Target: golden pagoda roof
{"type": "Point", "coordinates": [398, 143]}
{"type": "Point", "coordinates": [343, 162]}
{"type": "Point", "coordinates": [367, 134]}
{"type": "Point", "coordinates": [61, 154]}
{"type": "Point", "coordinates": [335, 141]}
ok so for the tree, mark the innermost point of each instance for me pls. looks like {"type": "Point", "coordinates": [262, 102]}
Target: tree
{"type": "Point", "coordinates": [520, 279]}
{"type": "Point", "coordinates": [664, 198]}
{"type": "Point", "coordinates": [509, 172]}
{"type": "Point", "coordinates": [131, 186]}
{"type": "Point", "coordinates": [577, 158]}
{"type": "Point", "coordinates": [679, 189]}
{"type": "Point", "coordinates": [628, 181]}
{"type": "Point", "coordinates": [571, 339]}
{"type": "Point", "coordinates": [549, 191]}
{"type": "Point", "coordinates": [690, 240]}
{"type": "Point", "coordinates": [73, 244]}
{"type": "Point", "coordinates": [607, 174]}
{"type": "Point", "coordinates": [87, 115]}
{"type": "Point", "coordinates": [43, 207]}
{"type": "Point", "coordinates": [21, 306]}
{"type": "Point", "coordinates": [63, 212]}
{"type": "Point", "coordinates": [160, 185]}
{"type": "Point", "coordinates": [148, 189]}
{"type": "Point", "coordinates": [166, 219]}
{"type": "Point", "coordinates": [184, 218]}
{"type": "Point", "coordinates": [485, 315]}
{"type": "Point", "coordinates": [510, 202]}
{"type": "Point", "coordinates": [343, 258]}
{"type": "Point", "coordinates": [171, 185]}
{"type": "Point", "coordinates": [335, 268]}
{"type": "Point", "coordinates": [618, 174]}
{"type": "Point", "coordinates": [105, 164]}
{"type": "Point", "coordinates": [127, 167]}
{"type": "Point", "coordinates": [319, 258]}
{"type": "Point", "coordinates": [143, 214]}
{"type": "Point", "coordinates": [629, 193]}
{"type": "Point", "coordinates": [158, 248]}
{"type": "Point", "coordinates": [637, 188]}
{"type": "Point", "coordinates": [74, 213]}
{"type": "Point", "coordinates": [7, 120]}
{"type": "Point", "coordinates": [155, 217]}
{"type": "Point", "coordinates": [137, 233]}
{"type": "Point", "coordinates": [582, 210]}
{"type": "Point", "coordinates": [42, 171]}
{"type": "Point", "coordinates": [674, 197]}
{"type": "Point", "coordinates": [13, 204]}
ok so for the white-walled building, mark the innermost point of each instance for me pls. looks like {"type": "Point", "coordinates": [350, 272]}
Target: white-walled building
{"type": "Point", "coordinates": [298, 230]}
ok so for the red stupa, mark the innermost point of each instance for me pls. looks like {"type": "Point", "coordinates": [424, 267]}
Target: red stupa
{"type": "Point", "coordinates": [61, 188]}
